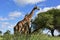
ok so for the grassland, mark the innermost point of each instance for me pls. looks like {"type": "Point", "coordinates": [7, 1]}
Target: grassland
{"type": "Point", "coordinates": [29, 37]}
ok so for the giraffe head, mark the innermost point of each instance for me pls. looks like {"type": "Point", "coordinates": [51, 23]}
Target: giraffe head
{"type": "Point", "coordinates": [36, 8]}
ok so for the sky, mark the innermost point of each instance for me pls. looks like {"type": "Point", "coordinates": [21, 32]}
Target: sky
{"type": "Point", "coordinates": [13, 11]}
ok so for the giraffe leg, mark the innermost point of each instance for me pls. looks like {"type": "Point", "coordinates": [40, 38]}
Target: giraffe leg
{"type": "Point", "coordinates": [28, 27]}
{"type": "Point", "coordinates": [20, 28]}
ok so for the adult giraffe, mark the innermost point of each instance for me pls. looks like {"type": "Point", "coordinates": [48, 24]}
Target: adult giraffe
{"type": "Point", "coordinates": [21, 24]}
{"type": "Point", "coordinates": [29, 16]}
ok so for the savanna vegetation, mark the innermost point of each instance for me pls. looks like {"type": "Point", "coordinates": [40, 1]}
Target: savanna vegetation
{"type": "Point", "coordinates": [49, 19]}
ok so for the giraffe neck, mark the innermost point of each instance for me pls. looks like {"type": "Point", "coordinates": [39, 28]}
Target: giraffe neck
{"type": "Point", "coordinates": [31, 13]}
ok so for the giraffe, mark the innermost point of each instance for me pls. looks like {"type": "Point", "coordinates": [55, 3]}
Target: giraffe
{"type": "Point", "coordinates": [28, 18]}
{"type": "Point", "coordinates": [19, 27]}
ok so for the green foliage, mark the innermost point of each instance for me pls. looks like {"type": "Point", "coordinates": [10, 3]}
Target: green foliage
{"type": "Point", "coordinates": [49, 18]}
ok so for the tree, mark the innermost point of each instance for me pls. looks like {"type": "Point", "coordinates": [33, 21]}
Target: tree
{"type": "Point", "coordinates": [7, 32]}
{"type": "Point", "coordinates": [0, 32]}
{"type": "Point", "coordinates": [48, 20]}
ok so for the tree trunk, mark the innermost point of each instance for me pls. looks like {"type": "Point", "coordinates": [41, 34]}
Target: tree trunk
{"type": "Point", "coordinates": [52, 32]}
{"type": "Point", "coordinates": [29, 30]}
